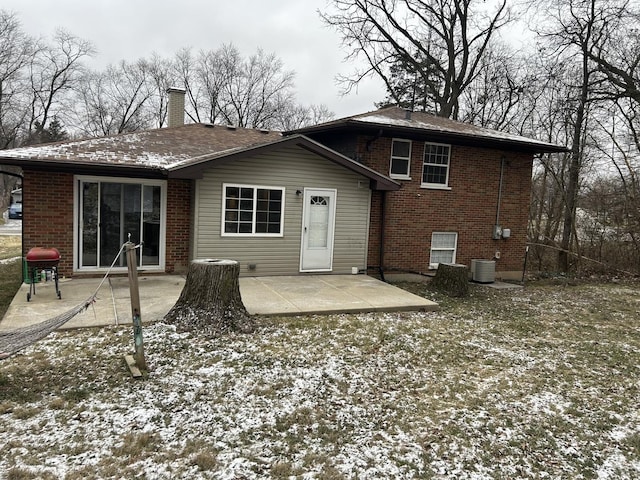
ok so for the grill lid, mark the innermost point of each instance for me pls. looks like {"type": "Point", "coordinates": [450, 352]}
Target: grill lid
{"type": "Point", "coordinates": [39, 254]}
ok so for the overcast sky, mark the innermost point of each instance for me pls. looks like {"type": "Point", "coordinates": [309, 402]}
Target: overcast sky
{"type": "Point", "coordinates": [132, 29]}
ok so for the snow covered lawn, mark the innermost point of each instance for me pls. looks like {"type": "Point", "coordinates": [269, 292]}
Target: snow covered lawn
{"type": "Point", "coordinates": [535, 383]}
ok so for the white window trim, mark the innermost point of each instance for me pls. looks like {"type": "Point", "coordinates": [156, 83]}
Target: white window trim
{"type": "Point", "coordinates": [255, 202]}
{"type": "Point", "coordinates": [436, 186]}
{"type": "Point", "coordinates": [433, 265]}
{"type": "Point", "coordinates": [161, 267]}
{"type": "Point", "coordinates": [399, 176]}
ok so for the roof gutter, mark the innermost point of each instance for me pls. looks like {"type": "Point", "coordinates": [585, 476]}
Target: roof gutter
{"type": "Point", "coordinates": [86, 168]}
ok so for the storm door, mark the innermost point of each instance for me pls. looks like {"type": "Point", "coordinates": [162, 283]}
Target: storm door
{"type": "Point", "coordinates": [318, 221]}
{"type": "Point", "coordinates": [111, 213]}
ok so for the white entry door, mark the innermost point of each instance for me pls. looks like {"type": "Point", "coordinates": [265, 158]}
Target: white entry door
{"type": "Point", "coordinates": [318, 222]}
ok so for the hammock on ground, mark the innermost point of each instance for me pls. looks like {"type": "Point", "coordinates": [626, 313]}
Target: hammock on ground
{"type": "Point", "coordinates": [12, 341]}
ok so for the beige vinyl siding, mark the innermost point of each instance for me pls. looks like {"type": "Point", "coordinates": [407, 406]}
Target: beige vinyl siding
{"type": "Point", "coordinates": [294, 169]}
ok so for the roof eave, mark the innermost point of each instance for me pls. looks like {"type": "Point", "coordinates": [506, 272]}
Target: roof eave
{"type": "Point", "coordinates": [86, 168]}
{"type": "Point", "coordinates": [458, 138]}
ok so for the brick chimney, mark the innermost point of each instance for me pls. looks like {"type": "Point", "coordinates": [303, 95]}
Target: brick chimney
{"type": "Point", "coordinates": [175, 116]}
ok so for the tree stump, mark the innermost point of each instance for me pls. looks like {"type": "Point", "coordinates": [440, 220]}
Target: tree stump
{"type": "Point", "coordinates": [210, 301]}
{"type": "Point", "coordinates": [452, 279]}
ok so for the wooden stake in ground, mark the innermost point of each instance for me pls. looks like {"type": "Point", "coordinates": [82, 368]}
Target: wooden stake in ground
{"type": "Point", "coordinates": [210, 302]}
{"type": "Point", "coordinates": [452, 279]}
{"type": "Point", "coordinates": [132, 264]}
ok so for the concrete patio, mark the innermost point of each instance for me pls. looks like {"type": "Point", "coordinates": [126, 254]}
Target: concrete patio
{"type": "Point", "coordinates": [294, 295]}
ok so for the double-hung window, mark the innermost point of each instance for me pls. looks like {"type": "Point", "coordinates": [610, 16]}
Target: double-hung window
{"type": "Point", "coordinates": [400, 166]}
{"type": "Point", "coordinates": [443, 248]}
{"type": "Point", "coordinates": [435, 167]}
{"type": "Point", "coordinates": [252, 210]}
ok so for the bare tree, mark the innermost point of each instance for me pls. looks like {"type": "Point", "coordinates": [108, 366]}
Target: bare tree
{"type": "Point", "coordinates": [215, 69]}
{"type": "Point", "coordinates": [222, 86]}
{"type": "Point", "coordinates": [17, 50]}
{"type": "Point", "coordinates": [297, 116]}
{"type": "Point", "coordinates": [503, 94]}
{"type": "Point", "coordinates": [577, 31]}
{"type": "Point", "coordinates": [619, 144]}
{"type": "Point", "coordinates": [185, 68]}
{"type": "Point", "coordinates": [115, 101]}
{"type": "Point", "coordinates": [160, 77]}
{"type": "Point", "coordinates": [607, 224]}
{"type": "Point", "coordinates": [550, 120]}
{"type": "Point", "coordinates": [41, 81]}
{"type": "Point", "coordinates": [618, 58]}
{"type": "Point", "coordinates": [257, 89]}
{"type": "Point", "coordinates": [55, 72]}
{"type": "Point", "coordinates": [437, 44]}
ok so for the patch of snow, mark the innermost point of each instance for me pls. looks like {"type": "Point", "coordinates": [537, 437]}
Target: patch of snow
{"type": "Point", "coordinates": [397, 396]}
{"type": "Point", "coordinates": [9, 260]}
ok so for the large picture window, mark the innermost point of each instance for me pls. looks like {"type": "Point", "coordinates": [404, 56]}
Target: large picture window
{"type": "Point", "coordinates": [435, 169]}
{"type": "Point", "coordinates": [400, 166]}
{"type": "Point", "coordinates": [443, 248]}
{"type": "Point", "coordinates": [252, 210]}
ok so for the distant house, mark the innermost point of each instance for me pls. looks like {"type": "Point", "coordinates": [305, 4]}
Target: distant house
{"type": "Point", "coordinates": [16, 196]}
{"type": "Point", "coordinates": [386, 189]}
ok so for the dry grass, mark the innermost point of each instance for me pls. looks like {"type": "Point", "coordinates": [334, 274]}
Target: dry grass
{"type": "Point", "coordinates": [10, 271]}
{"type": "Point", "coordinates": [534, 383]}
{"type": "Point", "coordinates": [10, 246]}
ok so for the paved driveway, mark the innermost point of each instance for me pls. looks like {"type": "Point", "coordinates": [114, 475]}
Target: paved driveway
{"type": "Point", "coordinates": [11, 227]}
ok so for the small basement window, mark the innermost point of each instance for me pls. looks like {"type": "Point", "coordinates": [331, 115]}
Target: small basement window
{"type": "Point", "coordinates": [443, 248]}
{"type": "Point", "coordinates": [249, 210]}
{"type": "Point", "coordinates": [400, 166]}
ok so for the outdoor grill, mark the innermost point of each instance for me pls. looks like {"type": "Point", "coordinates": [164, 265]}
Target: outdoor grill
{"type": "Point", "coordinates": [42, 259]}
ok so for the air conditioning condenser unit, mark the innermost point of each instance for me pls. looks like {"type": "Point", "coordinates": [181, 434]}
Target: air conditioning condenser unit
{"type": "Point", "coordinates": [483, 271]}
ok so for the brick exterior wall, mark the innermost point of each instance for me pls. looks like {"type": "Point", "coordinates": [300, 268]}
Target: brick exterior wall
{"type": "Point", "coordinates": [179, 216]}
{"type": "Point", "coordinates": [48, 218]}
{"type": "Point", "coordinates": [413, 213]}
{"type": "Point", "coordinates": [47, 212]}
